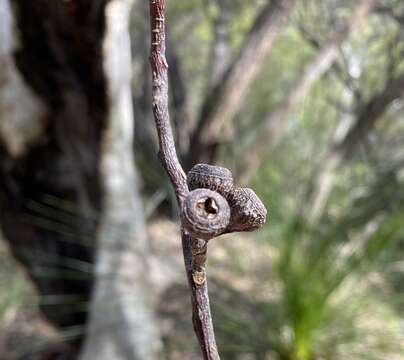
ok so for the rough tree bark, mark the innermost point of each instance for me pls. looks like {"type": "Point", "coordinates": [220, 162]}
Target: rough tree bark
{"type": "Point", "coordinates": [225, 99]}
{"type": "Point", "coordinates": [60, 116]}
{"type": "Point", "coordinates": [55, 87]}
{"type": "Point", "coordinates": [323, 60]}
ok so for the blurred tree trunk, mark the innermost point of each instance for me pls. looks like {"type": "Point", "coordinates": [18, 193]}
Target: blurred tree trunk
{"type": "Point", "coordinates": [220, 51]}
{"type": "Point", "coordinates": [323, 60]}
{"type": "Point", "coordinates": [145, 135]}
{"type": "Point", "coordinates": [225, 98]}
{"type": "Point", "coordinates": [367, 116]}
{"type": "Point", "coordinates": [67, 178]}
{"type": "Point", "coordinates": [219, 58]}
{"type": "Point", "coordinates": [181, 118]}
{"type": "Point", "coordinates": [122, 324]}
{"type": "Point", "coordinates": [228, 82]}
{"type": "Point", "coordinates": [53, 107]}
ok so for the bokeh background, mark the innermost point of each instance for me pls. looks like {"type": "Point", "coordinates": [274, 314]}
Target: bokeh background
{"type": "Point", "coordinates": [303, 100]}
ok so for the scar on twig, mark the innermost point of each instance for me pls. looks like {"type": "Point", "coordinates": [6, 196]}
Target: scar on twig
{"type": "Point", "coordinates": [199, 276]}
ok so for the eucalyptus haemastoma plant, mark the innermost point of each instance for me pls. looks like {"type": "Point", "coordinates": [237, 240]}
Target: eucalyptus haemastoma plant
{"type": "Point", "coordinates": [209, 203]}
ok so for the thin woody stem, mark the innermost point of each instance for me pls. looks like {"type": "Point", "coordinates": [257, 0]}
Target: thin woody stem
{"type": "Point", "coordinates": [194, 250]}
{"type": "Point", "coordinates": [168, 155]}
{"type": "Point", "coordinates": [201, 315]}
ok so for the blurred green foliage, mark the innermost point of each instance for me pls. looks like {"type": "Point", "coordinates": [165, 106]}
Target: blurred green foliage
{"type": "Point", "coordinates": [340, 281]}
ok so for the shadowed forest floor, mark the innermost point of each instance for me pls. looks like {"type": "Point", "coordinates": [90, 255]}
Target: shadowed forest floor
{"type": "Point", "coordinates": [21, 322]}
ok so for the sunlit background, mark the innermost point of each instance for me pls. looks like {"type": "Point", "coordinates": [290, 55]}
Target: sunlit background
{"type": "Point", "coordinates": [304, 101]}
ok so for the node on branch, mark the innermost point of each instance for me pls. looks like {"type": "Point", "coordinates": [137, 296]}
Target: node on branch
{"type": "Point", "coordinates": [248, 213]}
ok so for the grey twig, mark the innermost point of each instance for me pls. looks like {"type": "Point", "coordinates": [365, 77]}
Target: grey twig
{"type": "Point", "coordinates": [209, 203]}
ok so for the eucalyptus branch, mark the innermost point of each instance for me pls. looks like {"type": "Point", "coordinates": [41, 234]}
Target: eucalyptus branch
{"type": "Point", "coordinates": [209, 203]}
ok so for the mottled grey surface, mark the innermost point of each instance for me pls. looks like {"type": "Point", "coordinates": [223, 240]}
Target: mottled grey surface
{"type": "Point", "coordinates": [205, 214]}
{"type": "Point", "coordinates": [248, 213]}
